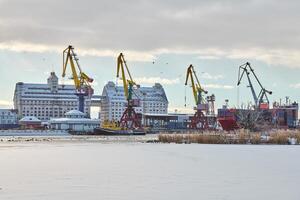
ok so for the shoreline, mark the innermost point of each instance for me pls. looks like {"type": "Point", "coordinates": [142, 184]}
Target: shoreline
{"type": "Point", "coordinates": [77, 139]}
{"type": "Point", "coordinates": [279, 137]}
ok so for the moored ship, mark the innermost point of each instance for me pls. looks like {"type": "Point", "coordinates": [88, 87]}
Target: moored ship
{"type": "Point", "coordinates": [227, 119]}
{"type": "Point", "coordinates": [106, 131]}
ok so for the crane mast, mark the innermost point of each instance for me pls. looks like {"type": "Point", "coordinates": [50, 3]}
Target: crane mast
{"type": "Point", "coordinates": [81, 80]}
{"type": "Point", "coordinates": [261, 100]}
{"type": "Point", "coordinates": [130, 119]}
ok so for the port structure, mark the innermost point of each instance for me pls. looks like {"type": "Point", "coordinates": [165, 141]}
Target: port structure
{"type": "Point", "coordinates": [130, 119]}
{"type": "Point", "coordinates": [199, 120]}
{"type": "Point", "coordinates": [259, 115]}
{"type": "Point", "coordinates": [261, 100]}
{"type": "Point", "coordinates": [81, 80]}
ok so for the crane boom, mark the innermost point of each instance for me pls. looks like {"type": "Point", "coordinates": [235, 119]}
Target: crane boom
{"type": "Point", "coordinates": [127, 83]}
{"type": "Point", "coordinates": [196, 86]}
{"type": "Point", "coordinates": [81, 80]}
{"type": "Point", "coordinates": [262, 96]}
{"type": "Point", "coordinates": [245, 71]}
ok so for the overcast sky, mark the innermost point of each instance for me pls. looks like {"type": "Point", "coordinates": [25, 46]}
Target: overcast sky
{"type": "Point", "coordinates": [216, 33]}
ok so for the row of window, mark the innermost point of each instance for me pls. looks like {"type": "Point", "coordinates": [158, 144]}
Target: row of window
{"type": "Point", "coordinates": [6, 113]}
{"type": "Point", "coordinates": [121, 104]}
{"type": "Point", "coordinates": [47, 93]}
{"type": "Point", "coordinates": [42, 113]}
{"type": "Point", "coordinates": [35, 102]}
{"type": "Point", "coordinates": [8, 117]}
{"type": "Point", "coordinates": [156, 110]}
{"type": "Point", "coordinates": [46, 88]}
{"type": "Point", "coordinates": [47, 108]}
{"type": "Point", "coordinates": [8, 121]}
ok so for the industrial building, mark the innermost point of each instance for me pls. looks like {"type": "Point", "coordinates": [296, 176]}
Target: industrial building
{"type": "Point", "coordinates": [153, 100]}
{"type": "Point", "coordinates": [45, 101]}
{"type": "Point", "coordinates": [171, 121]}
{"type": "Point", "coordinates": [285, 115]}
{"type": "Point", "coordinates": [74, 120]}
{"type": "Point", "coordinates": [8, 118]}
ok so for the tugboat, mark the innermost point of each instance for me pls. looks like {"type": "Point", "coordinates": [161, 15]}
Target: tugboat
{"type": "Point", "coordinates": [112, 128]}
{"type": "Point", "coordinates": [104, 131]}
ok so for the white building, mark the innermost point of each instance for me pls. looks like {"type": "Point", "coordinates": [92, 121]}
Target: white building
{"type": "Point", "coordinates": [74, 121]}
{"type": "Point", "coordinates": [8, 118]}
{"type": "Point", "coordinates": [153, 100]}
{"type": "Point", "coordinates": [46, 101]}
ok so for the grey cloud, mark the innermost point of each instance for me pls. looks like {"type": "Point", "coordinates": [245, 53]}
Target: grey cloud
{"type": "Point", "coordinates": [141, 25]}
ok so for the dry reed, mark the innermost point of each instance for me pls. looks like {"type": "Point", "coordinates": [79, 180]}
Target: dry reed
{"type": "Point", "coordinates": [238, 137]}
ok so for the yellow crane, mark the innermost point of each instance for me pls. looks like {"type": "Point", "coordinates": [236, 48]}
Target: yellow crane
{"type": "Point", "coordinates": [81, 80]}
{"type": "Point", "coordinates": [196, 86]}
{"type": "Point", "coordinates": [199, 121]}
{"type": "Point", "coordinates": [127, 83]}
{"type": "Point", "coordinates": [130, 119]}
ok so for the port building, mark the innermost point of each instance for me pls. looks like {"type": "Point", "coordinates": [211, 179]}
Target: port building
{"type": "Point", "coordinates": [74, 120]}
{"type": "Point", "coordinates": [45, 101]}
{"type": "Point", "coordinates": [152, 100]}
{"type": "Point", "coordinates": [8, 118]}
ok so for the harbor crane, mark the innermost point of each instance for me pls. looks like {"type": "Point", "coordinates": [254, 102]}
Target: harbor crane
{"type": "Point", "coordinates": [130, 119]}
{"type": "Point", "coordinates": [199, 120]}
{"type": "Point", "coordinates": [81, 80]}
{"type": "Point", "coordinates": [261, 100]}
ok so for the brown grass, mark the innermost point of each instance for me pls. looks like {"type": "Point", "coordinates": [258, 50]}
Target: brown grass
{"type": "Point", "coordinates": [242, 138]}
{"type": "Point", "coordinates": [279, 139]}
{"type": "Point", "coordinates": [255, 138]}
{"type": "Point", "coordinates": [238, 137]}
{"type": "Point", "coordinates": [195, 137]}
{"type": "Point", "coordinates": [203, 138]}
{"type": "Point", "coordinates": [297, 136]}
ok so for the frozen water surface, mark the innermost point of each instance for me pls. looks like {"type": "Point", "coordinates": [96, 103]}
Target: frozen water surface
{"type": "Point", "coordinates": [129, 171]}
